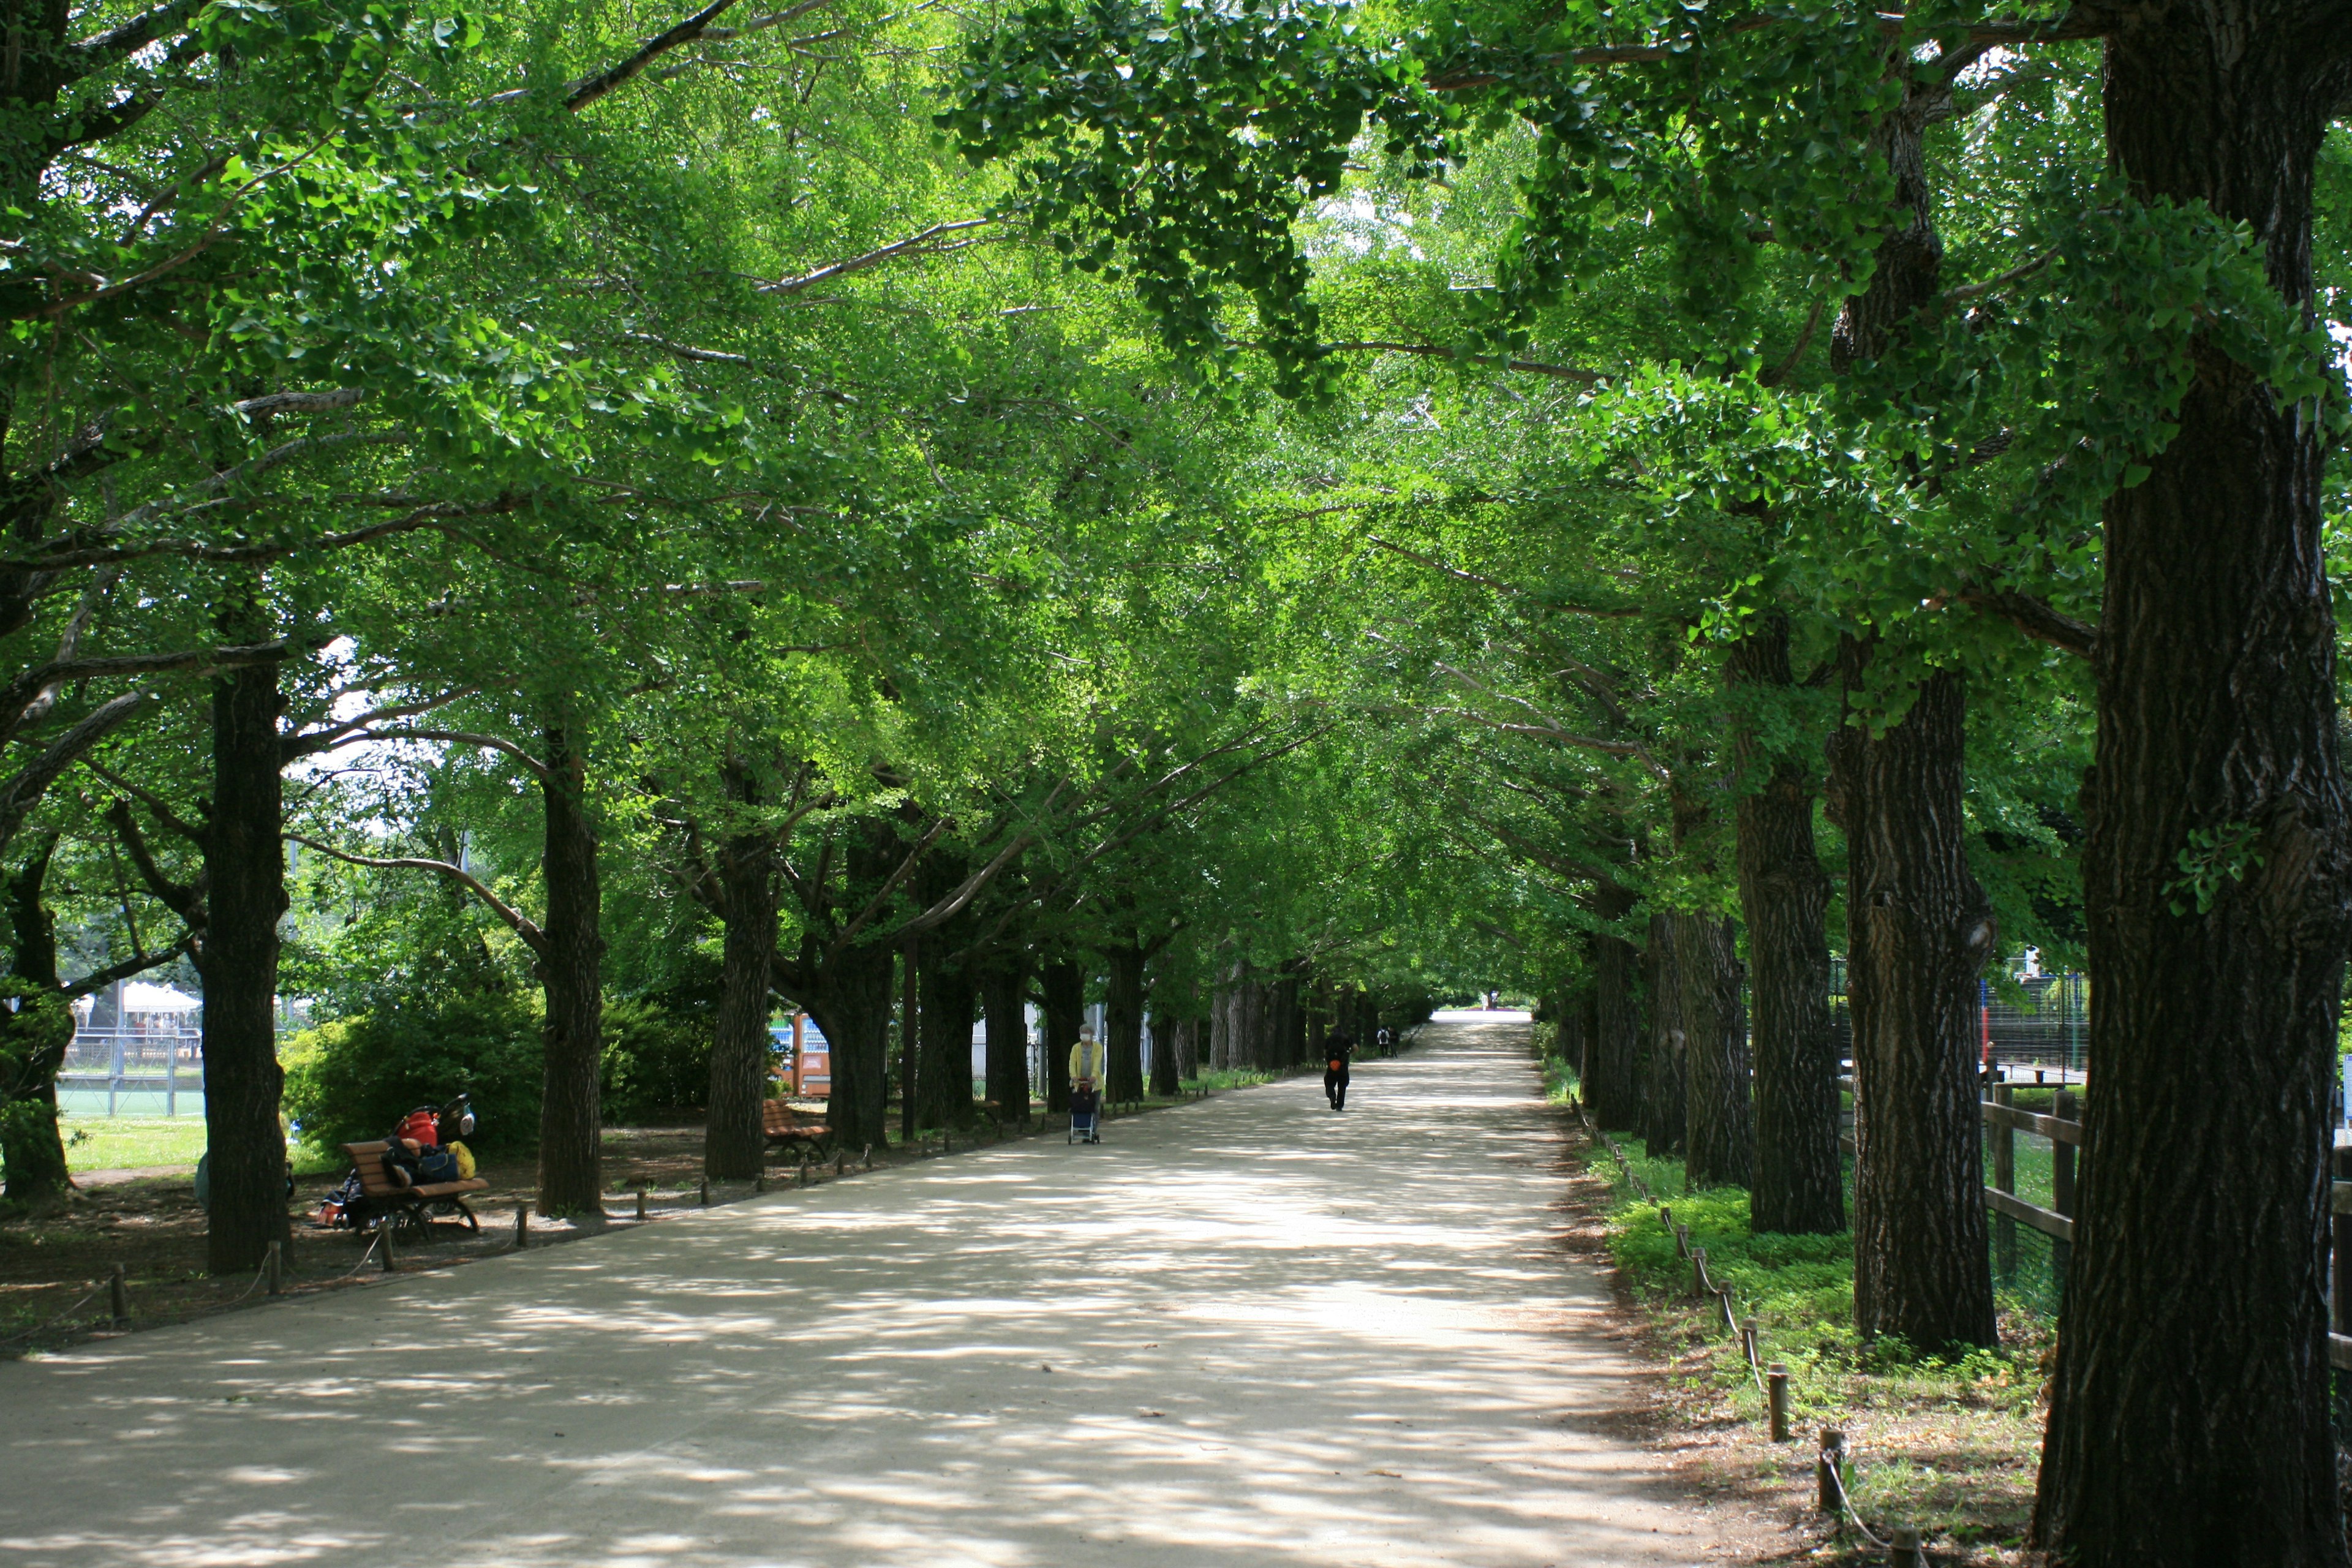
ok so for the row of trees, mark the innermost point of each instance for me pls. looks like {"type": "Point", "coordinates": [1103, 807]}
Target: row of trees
{"type": "Point", "coordinates": [1616, 502]}
{"type": "Point", "coordinates": [505, 504]}
{"type": "Point", "coordinates": [1911, 436]}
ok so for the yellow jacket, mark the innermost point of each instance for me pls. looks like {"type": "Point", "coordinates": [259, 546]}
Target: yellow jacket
{"type": "Point", "coordinates": [1088, 1060]}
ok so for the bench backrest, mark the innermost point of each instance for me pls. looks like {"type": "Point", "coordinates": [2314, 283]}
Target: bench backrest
{"type": "Point", "coordinates": [368, 1160]}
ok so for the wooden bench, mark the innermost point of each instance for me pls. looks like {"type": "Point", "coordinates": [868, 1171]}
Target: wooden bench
{"type": "Point", "coordinates": [787, 1126]}
{"type": "Point", "coordinates": [407, 1205]}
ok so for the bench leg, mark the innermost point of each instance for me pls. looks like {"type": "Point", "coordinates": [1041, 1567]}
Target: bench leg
{"type": "Point", "coordinates": [473, 1222]}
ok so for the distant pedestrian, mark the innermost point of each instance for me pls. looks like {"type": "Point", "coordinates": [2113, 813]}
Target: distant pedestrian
{"type": "Point", "coordinates": [1386, 1040]}
{"type": "Point", "coordinates": [1338, 1047]}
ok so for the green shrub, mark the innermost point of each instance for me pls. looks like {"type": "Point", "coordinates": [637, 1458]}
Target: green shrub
{"type": "Point", "coordinates": [353, 1078]}
{"type": "Point", "coordinates": [654, 1059]}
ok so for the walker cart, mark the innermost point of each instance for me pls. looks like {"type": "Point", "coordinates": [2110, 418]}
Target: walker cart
{"type": "Point", "coordinates": [1085, 1113]}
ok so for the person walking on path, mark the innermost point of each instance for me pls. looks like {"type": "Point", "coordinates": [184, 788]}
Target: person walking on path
{"type": "Point", "coordinates": [1088, 1070]}
{"type": "Point", "coordinates": [1338, 1047]}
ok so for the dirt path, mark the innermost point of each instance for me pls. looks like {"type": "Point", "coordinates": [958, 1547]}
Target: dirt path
{"type": "Point", "coordinates": [1239, 1334]}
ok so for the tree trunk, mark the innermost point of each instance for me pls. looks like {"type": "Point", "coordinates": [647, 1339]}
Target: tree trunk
{"type": "Point", "coordinates": [735, 1140]}
{"type": "Point", "coordinates": [245, 877]}
{"type": "Point", "coordinates": [910, 1053]}
{"type": "Point", "coordinates": [2189, 1419]}
{"type": "Point", "coordinates": [1005, 991]}
{"type": "Point", "coordinates": [33, 1038]}
{"type": "Point", "coordinates": [851, 1001]}
{"type": "Point", "coordinates": [1168, 1033]}
{"type": "Point", "coordinates": [1919, 931]}
{"type": "Point", "coordinates": [1064, 985]}
{"type": "Point", "coordinates": [943, 1081]}
{"type": "Point", "coordinates": [1784, 896]}
{"type": "Point", "coordinates": [571, 965]}
{"type": "Point", "coordinates": [1616, 964]}
{"type": "Point", "coordinates": [1123, 1023]}
{"type": "Point", "coordinates": [1720, 1137]}
{"type": "Point", "coordinates": [1663, 1111]}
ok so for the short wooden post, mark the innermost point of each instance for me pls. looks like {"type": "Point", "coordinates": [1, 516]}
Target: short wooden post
{"type": "Point", "coordinates": [271, 1264]}
{"type": "Point", "coordinates": [1829, 1476]}
{"type": "Point", "coordinates": [2004, 1176]}
{"type": "Point", "coordinates": [1748, 1341]}
{"type": "Point", "coordinates": [869, 1156]}
{"type": "Point", "coordinates": [2061, 1188]}
{"type": "Point", "coordinates": [118, 1294]}
{"type": "Point", "coordinates": [1776, 1398]}
{"type": "Point", "coordinates": [841, 1161]}
{"type": "Point", "coordinates": [1904, 1550]}
{"type": "Point", "coordinates": [1698, 1272]}
{"type": "Point", "coordinates": [522, 1231]}
{"type": "Point", "coordinates": [947, 1143]}
{"type": "Point", "coordinates": [640, 1202]}
{"type": "Point", "coordinates": [1682, 1240]}
{"type": "Point", "coordinates": [703, 1194]}
{"type": "Point", "coordinates": [384, 1245]}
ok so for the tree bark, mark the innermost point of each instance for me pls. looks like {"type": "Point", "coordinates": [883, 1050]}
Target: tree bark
{"type": "Point", "coordinates": [1123, 1026]}
{"type": "Point", "coordinates": [848, 994]}
{"type": "Point", "coordinates": [1168, 1033]}
{"type": "Point", "coordinates": [1065, 987]}
{"type": "Point", "coordinates": [1617, 1039]}
{"type": "Point", "coordinates": [36, 1035]}
{"type": "Point", "coordinates": [1720, 1137]}
{"type": "Point", "coordinates": [245, 876]}
{"type": "Point", "coordinates": [1784, 896]}
{"type": "Point", "coordinates": [1005, 990]}
{"type": "Point", "coordinates": [571, 965]}
{"type": "Point", "coordinates": [1665, 1112]}
{"type": "Point", "coordinates": [1920, 930]}
{"type": "Point", "coordinates": [943, 1081]}
{"type": "Point", "coordinates": [2189, 1419]}
{"type": "Point", "coordinates": [735, 1139]}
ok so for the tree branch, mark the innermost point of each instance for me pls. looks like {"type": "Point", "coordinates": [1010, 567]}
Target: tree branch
{"type": "Point", "coordinates": [522, 925]}
{"type": "Point", "coordinates": [925, 243]}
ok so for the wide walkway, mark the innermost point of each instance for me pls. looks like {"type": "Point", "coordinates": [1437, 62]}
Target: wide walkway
{"type": "Point", "coordinates": [1244, 1334]}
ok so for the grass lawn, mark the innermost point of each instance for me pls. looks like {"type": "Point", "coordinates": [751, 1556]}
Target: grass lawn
{"type": "Point", "coordinates": [1949, 1443]}
{"type": "Point", "coordinates": [130, 1142]}
{"type": "Point", "coordinates": [123, 1142]}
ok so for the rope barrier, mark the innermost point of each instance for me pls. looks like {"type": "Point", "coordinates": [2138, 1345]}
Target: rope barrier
{"type": "Point", "coordinates": [61, 1317]}
{"type": "Point", "coordinates": [1834, 1469]}
{"type": "Point", "coordinates": [1750, 1344]}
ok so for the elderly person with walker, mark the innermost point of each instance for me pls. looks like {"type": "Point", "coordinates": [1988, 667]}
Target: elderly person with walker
{"type": "Point", "coordinates": [1086, 1072]}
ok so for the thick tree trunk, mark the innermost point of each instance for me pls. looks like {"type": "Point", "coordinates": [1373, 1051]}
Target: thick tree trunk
{"type": "Point", "coordinates": [244, 875]}
{"type": "Point", "coordinates": [1005, 990]}
{"type": "Point", "coordinates": [1613, 1090]}
{"type": "Point", "coordinates": [1288, 1025]}
{"type": "Point", "coordinates": [1665, 1113]}
{"type": "Point", "coordinates": [851, 1001]}
{"type": "Point", "coordinates": [1169, 1046]}
{"type": "Point", "coordinates": [33, 1038]}
{"type": "Point", "coordinates": [1784, 896]}
{"type": "Point", "coordinates": [943, 1081]}
{"type": "Point", "coordinates": [1065, 986]}
{"type": "Point", "coordinates": [1123, 1023]}
{"type": "Point", "coordinates": [2189, 1420]}
{"type": "Point", "coordinates": [735, 1142]}
{"type": "Point", "coordinates": [1720, 1139]}
{"type": "Point", "coordinates": [1920, 930]}
{"type": "Point", "coordinates": [570, 966]}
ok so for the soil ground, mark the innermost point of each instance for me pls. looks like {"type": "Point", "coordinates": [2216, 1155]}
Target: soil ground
{"type": "Point", "coordinates": [1247, 1332]}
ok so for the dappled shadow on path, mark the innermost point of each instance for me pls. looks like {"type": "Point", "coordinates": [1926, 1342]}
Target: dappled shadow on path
{"type": "Point", "coordinates": [1244, 1334]}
